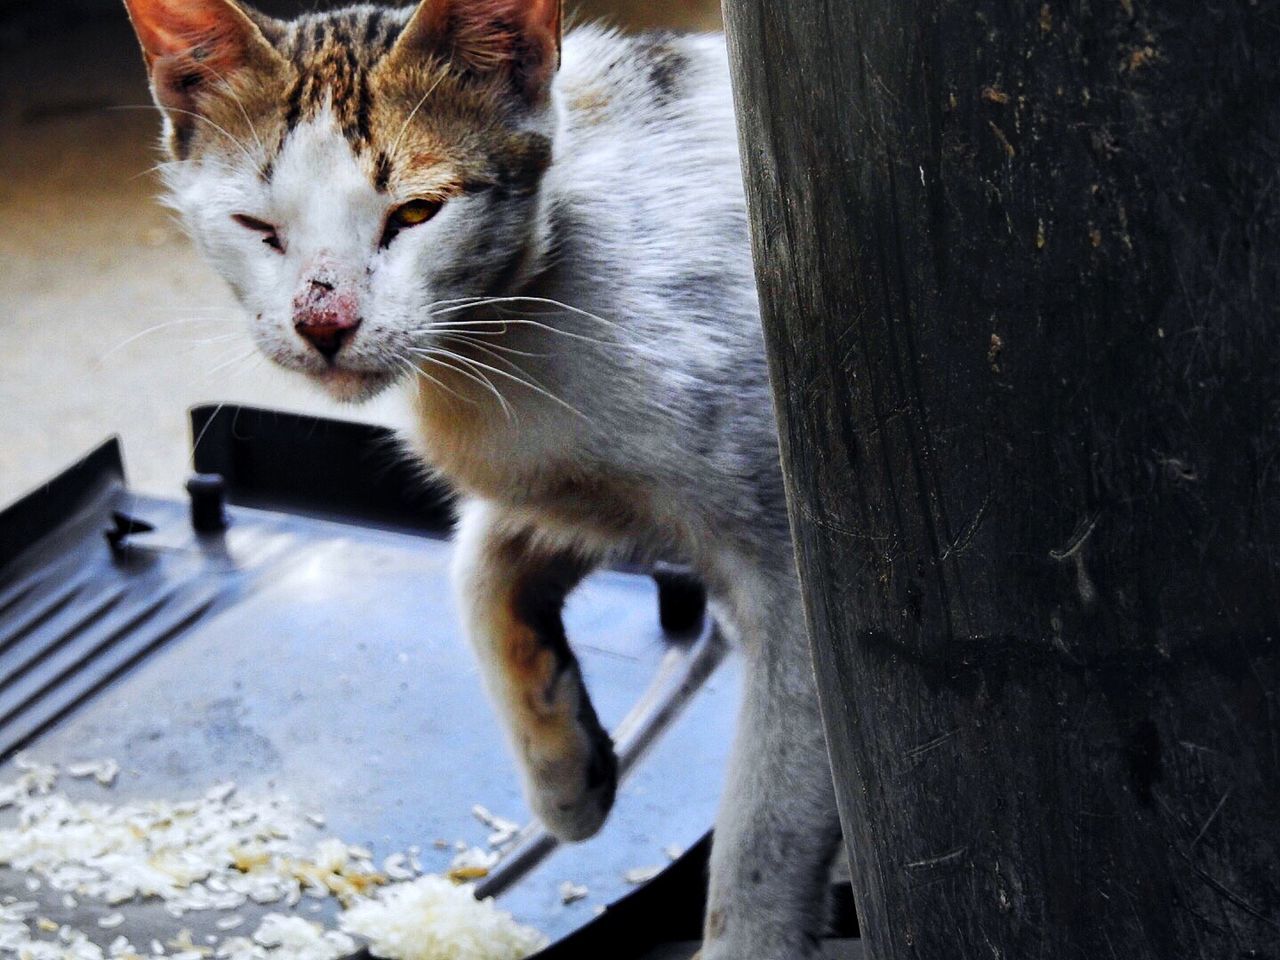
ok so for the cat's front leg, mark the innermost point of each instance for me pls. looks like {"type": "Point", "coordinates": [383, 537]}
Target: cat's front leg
{"type": "Point", "coordinates": [511, 587]}
{"type": "Point", "coordinates": [778, 829]}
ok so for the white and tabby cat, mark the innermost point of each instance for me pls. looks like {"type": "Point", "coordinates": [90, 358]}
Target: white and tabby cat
{"type": "Point", "coordinates": [548, 242]}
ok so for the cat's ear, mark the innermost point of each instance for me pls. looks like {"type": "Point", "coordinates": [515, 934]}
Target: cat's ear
{"type": "Point", "coordinates": [517, 40]}
{"type": "Point", "coordinates": [191, 44]}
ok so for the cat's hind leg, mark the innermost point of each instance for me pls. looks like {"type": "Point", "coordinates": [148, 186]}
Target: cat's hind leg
{"type": "Point", "coordinates": [511, 587]}
{"type": "Point", "coordinates": [778, 828]}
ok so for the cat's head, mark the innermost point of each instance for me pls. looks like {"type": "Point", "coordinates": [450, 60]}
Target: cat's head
{"type": "Point", "coordinates": [349, 172]}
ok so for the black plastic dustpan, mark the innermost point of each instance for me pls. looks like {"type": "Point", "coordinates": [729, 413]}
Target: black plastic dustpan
{"type": "Point", "coordinates": [309, 646]}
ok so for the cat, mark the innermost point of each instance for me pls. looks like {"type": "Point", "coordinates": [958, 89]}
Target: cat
{"type": "Point", "coordinates": [544, 235]}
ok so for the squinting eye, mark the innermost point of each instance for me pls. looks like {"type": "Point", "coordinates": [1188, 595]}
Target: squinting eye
{"type": "Point", "coordinates": [410, 214]}
{"type": "Point", "coordinates": [269, 235]}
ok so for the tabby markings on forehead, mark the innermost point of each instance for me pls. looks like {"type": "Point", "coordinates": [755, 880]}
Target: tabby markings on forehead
{"type": "Point", "coordinates": [382, 172]}
{"type": "Point", "coordinates": [333, 56]}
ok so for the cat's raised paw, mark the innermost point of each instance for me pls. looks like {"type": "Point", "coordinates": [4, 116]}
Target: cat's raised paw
{"type": "Point", "coordinates": [572, 795]}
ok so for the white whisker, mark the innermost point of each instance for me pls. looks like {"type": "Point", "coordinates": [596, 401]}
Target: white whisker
{"type": "Point", "coordinates": [158, 166]}
{"type": "Point", "coordinates": [470, 361]}
{"type": "Point", "coordinates": [414, 112]}
{"type": "Point", "coordinates": [478, 326]}
{"type": "Point", "coordinates": [239, 358]}
{"type": "Point", "coordinates": [222, 130]}
{"type": "Point", "coordinates": [415, 369]}
{"type": "Point", "coordinates": [501, 359]}
{"type": "Point", "coordinates": [150, 330]}
{"type": "Point", "coordinates": [431, 357]}
{"type": "Point", "coordinates": [470, 338]}
{"type": "Point", "coordinates": [529, 380]}
{"type": "Point", "coordinates": [453, 300]}
{"type": "Point", "coordinates": [496, 301]}
{"type": "Point", "coordinates": [195, 446]}
{"type": "Point", "coordinates": [239, 103]}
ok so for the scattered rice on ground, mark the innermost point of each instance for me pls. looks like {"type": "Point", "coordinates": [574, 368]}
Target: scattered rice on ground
{"type": "Point", "coordinates": [222, 852]}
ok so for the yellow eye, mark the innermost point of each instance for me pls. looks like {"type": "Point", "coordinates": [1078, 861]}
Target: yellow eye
{"type": "Point", "coordinates": [411, 214]}
{"type": "Point", "coordinates": [415, 212]}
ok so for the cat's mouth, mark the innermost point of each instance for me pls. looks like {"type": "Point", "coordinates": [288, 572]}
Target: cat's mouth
{"type": "Point", "coordinates": [348, 371]}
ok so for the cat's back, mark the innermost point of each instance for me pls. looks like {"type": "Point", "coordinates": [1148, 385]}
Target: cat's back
{"type": "Point", "coordinates": [608, 77]}
{"type": "Point", "coordinates": [653, 104]}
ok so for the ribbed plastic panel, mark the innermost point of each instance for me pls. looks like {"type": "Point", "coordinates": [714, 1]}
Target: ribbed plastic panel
{"type": "Point", "coordinates": [312, 648]}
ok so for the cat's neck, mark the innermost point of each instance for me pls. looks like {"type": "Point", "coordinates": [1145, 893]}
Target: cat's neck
{"type": "Point", "coordinates": [637, 263]}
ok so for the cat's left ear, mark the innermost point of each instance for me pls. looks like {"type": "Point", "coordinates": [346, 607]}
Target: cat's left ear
{"type": "Point", "coordinates": [514, 40]}
{"type": "Point", "coordinates": [190, 45]}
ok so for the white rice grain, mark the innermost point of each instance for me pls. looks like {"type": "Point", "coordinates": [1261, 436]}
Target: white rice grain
{"type": "Point", "coordinates": [433, 919]}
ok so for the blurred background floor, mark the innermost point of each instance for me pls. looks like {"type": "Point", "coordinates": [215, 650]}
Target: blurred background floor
{"type": "Point", "coordinates": [111, 323]}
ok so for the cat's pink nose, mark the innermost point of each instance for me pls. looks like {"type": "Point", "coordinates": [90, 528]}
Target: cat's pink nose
{"type": "Point", "coordinates": [328, 338]}
{"type": "Point", "coordinates": [324, 316]}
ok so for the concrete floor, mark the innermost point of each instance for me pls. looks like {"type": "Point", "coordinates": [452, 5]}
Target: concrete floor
{"type": "Point", "coordinates": [111, 324]}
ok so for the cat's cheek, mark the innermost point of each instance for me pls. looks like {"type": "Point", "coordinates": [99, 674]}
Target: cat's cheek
{"type": "Point", "coordinates": [397, 299]}
{"type": "Point", "coordinates": [269, 342]}
{"type": "Point", "coordinates": [239, 291]}
{"type": "Point", "coordinates": [396, 274]}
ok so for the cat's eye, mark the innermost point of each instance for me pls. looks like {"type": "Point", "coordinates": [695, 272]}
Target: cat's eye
{"type": "Point", "coordinates": [270, 236]}
{"type": "Point", "coordinates": [407, 215]}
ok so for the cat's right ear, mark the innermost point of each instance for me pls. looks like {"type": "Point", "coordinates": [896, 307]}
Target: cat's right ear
{"type": "Point", "coordinates": [517, 40]}
{"type": "Point", "coordinates": [190, 45]}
